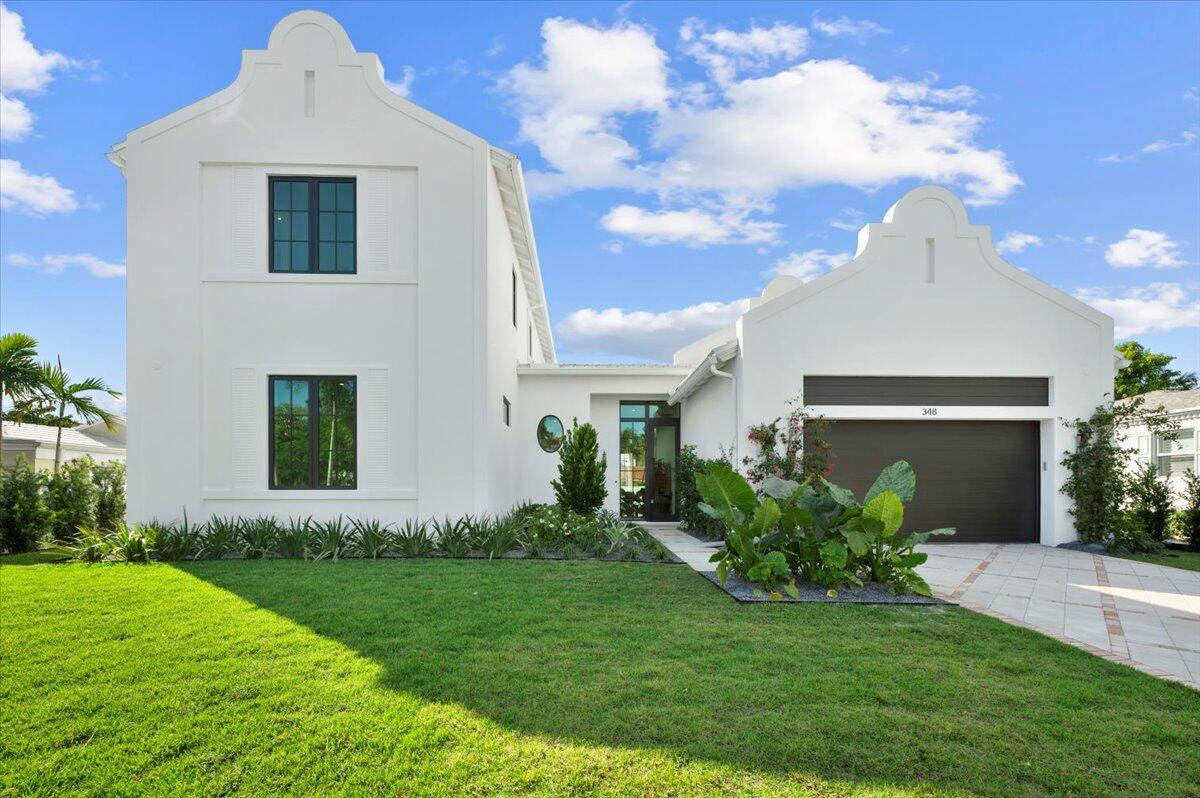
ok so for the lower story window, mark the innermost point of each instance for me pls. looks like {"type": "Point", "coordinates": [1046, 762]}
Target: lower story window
{"type": "Point", "coordinates": [313, 432]}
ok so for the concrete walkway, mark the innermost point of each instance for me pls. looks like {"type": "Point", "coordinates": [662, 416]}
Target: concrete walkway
{"type": "Point", "coordinates": [1142, 615]}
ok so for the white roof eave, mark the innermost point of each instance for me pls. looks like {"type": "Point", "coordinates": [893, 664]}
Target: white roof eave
{"type": "Point", "coordinates": [717, 356]}
{"type": "Point", "coordinates": [516, 210]}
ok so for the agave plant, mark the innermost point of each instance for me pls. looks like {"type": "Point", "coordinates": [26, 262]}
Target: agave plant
{"type": "Point", "coordinates": [294, 539]}
{"type": "Point", "coordinates": [90, 546]}
{"type": "Point", "coordinates": [175, 540]}
{"type": "Point", "coordinates": [371, 538]}
{"type": "Point", "coordinates": [454, 537]}
{"type": "Point", "coordinates": [413, 539]}
{"type": "Point", "coordinates": [128, 544]}
{"type": "Point", "coordinates": [332, 539]}
{"type": "Point", "coordinates": [479, 529]}
{"type": "Point", "coordinates": [501, 537]}
{"type": "Point", "coordinates": [220, 538]}
{"type": "Point", "coordinates": [255, 537]}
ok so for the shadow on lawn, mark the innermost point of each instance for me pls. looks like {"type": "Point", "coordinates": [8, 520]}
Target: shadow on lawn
{"type": "Point", "coordinates": [644, 656]}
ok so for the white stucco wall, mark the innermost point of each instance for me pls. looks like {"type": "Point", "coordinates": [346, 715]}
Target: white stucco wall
{"type": "Point", "coordinates": [207, 322]}
{"type": "Point", "coordinates": [885, 314]}
{"type": "Point", "coordinates": [588, 394]}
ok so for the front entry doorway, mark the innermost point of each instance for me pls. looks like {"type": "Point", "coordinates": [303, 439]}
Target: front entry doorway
{"type": "Point", "coordinates": [649, 461]}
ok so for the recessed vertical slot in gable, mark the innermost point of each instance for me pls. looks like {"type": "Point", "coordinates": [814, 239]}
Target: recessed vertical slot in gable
{"type": "Point", "coordinates": [310, 93]}
{"type": "Point", "coordinates": [929, 263]}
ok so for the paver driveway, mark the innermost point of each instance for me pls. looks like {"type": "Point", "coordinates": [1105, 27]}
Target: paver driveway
{"type": "Point", "coordinates": [1146, 616]}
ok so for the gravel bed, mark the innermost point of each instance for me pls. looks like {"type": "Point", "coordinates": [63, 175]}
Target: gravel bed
{"type": "Point", "coordinates": [870, 593]}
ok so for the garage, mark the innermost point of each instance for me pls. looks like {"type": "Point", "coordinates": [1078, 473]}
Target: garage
{"type": "Point", "coordinates": [980, 477]}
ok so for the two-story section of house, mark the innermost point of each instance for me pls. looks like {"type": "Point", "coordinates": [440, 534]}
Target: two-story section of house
{"type": "Point", "coordinates": [336, 308]}
{"type": "Point", "coordinates": [329, 291]}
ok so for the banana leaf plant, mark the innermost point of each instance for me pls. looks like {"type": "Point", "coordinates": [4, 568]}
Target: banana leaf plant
{"type": "Point", "coordinates": [820, 532]}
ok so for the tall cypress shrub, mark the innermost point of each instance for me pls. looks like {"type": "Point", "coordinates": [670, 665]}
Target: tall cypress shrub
{"type": "Point", "coordinates": [581, 468]}
{"type": "Point", "coordinates": [110, 493]}
{"type": "Point", "coordinates": [1150, 502]}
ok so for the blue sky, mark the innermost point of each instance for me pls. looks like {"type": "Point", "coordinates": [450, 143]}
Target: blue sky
{"type": "Point", "coordinates": [680, 155]}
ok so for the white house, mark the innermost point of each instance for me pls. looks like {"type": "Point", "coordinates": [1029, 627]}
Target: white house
{"type": "Point", "coordinates": [1175, 454]}
{"type": "Point", "coordinates": [335, 307]}
{"type": "Point", "coordinates": [36, 443]}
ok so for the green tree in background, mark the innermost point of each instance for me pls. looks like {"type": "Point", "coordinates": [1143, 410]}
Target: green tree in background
{"type": "Point", "coordinates": [580, 485]}
{"type": "Point", "coordinates": [1147, 371]}
{"type": "Point", "coordinates": [64, 399]}
{"type": "Point", "coordinates": [20, 377]}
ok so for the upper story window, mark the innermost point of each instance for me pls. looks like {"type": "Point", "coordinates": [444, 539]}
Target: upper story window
{"type": "Point", "coordinates": [313, 225]}
{"type": "Point", "coordinates": [314, 430]}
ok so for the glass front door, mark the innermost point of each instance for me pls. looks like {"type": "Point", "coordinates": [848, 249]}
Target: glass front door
{"type": "Point", "coordinates": [649, 455]}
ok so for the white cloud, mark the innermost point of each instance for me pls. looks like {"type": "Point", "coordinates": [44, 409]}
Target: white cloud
{"type": "Point", "coordinates": [1144, 248]}
{"type": "Point", "coordinates": [16, 120]}
{"type": "Point", "coordinates": [849, 219]}
{"type": "Point", "coordinates": [403, 87]}
{"type": "Point", "coordinates": [692, 227]}
{"type": "Point", "coordinates": [1158, 307]}
{"type": "Point", "coordinates": [34, 195]}
{"type": "Point", "coordinates": [807, 265]}
{"type": "Point", "coordinates": [1186, 138]}
{"type": "Point", "coordinates": [1015, 242]}
{"type": "Point", "coordinates": [23, 68]}
{"type": "Point", "coordinates": [570, 105]}
{"type": "Point", "coordinates": [726, 53]}
{"type": "Point", "coordinates": [57, 264]}
{"type": "Point", "coordinates": [844, 26]}
{"type": "Point", "coordinates": [641, 334]}
{"type": "Point", "coordinates": [730, 145]}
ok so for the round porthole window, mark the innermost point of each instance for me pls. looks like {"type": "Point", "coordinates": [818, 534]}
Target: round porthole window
{"type": "Point", "coordinates": [550, 434]}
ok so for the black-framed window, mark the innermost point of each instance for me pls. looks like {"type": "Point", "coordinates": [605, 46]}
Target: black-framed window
{"type": "Point", "coordinates": [507, 412]}
{"type": "Point", "coordinates": [313, 225]}
{"type": "Point", "coordinates": [313, 432]}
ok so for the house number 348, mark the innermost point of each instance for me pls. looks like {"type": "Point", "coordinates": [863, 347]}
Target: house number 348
{"type": "Point", "coordinates": [929, 411]}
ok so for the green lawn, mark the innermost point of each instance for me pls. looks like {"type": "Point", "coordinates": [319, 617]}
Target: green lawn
{"type": "Point", "coordinates": [1176, 558]}
{"type": "Point", "coordinates": [474, 678]}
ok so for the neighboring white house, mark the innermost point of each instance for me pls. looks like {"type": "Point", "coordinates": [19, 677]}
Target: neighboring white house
{"type": "Point", "coordinates": [1173, 455]}
{"type": "Point", "coordinates": [335, 307]}
{"type": "Point", "coordinates": [36, 443]}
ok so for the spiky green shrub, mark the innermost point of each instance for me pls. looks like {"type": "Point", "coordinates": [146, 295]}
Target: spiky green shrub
{"type": "Point", "coordinates": [220, 539]}
{"type": "Point", "coordinates": [499, 537]}
{"type": "Point", "coordinates": [255, 538]}
{"type": "Point", "coordinates": [88, 545]}
{"type": "Point", "coordinates": [71, 499]}
{"type": "Point", "coordinates": [128, 543]}
{"type": "Point", "coordinates": [23, 518]}
{"type": "Point", "coordinates": [294, 539]}
{"type": "Point", "coordinates": [371, 539]}
{"type": "Point", "coordinates": [413, 539]}
{"type": "Point", "coordinates": [175, 540]}
{"type": "Point", "coordinates": [109, 479]}
{"type": "Point", "coordinates": [581, 486]}
{"type": "Point", "coordinates": [332, 540]}
{"type": "Point", "coordinates": [454, 537]}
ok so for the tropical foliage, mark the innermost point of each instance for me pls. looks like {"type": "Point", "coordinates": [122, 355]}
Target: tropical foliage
{"type": "Point", "coordinates": [790, 447]}
{"type": "Point", "coordinates": [529, 530]}
{"type": "Point", "coordinates": [816, 531]}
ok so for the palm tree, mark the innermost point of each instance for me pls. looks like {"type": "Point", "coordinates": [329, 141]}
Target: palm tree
{"type": "Point", "coordinates": [72, 397]}
{"type": "Point", "coordinates": [20, 377]}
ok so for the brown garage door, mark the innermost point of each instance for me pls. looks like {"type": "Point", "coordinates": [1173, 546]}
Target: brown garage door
{"type": "Point", "coordinates": [980, 477]}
